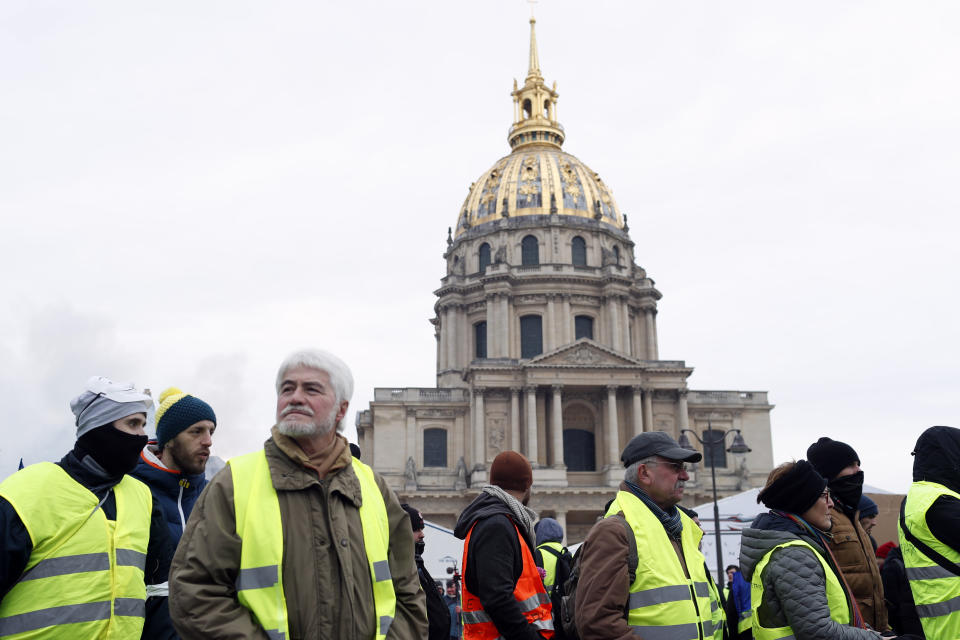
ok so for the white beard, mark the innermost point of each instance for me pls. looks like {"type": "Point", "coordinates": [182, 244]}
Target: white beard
{"type": "Point", "coordinates": [314, 428]}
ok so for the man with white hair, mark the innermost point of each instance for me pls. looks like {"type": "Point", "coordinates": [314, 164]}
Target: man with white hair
{"type": "Point", "coordinates": [299, 539]}
{"type": "Point", "coordinates": [79, 539]}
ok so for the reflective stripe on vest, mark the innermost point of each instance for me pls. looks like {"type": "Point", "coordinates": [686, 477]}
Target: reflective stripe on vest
{"type": "Point", "coordinates": [550, 564]}
{"type": "Point", "coordinates": [84, 570]}
{"type": "Point", "coordinates": [836, 596]}
{"type": "Point", "coordinates": [260, 579]}
{"type": "Point", "coordinates": [664, 603]}
{"type": "Point", "coordinates": [529, 593]}
{"type": "Point", "coordinates": [717, 615]}
{"type": "Point", "coordinates": [936, 591]}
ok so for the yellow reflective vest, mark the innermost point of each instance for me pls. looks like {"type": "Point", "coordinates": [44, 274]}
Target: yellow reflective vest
{"type": "Point", "coordinates": [257, 512]}
{"type": "Point", "coordinates": [84, 577]}
{"type": "Point", "coordinates": [550, 564]}
{"type": "Point", "coordinates": [836, 596]}
{"type": "Point", "coordinates": [936, 591]}
{"type": "Point", "coordinates": [664, 603]}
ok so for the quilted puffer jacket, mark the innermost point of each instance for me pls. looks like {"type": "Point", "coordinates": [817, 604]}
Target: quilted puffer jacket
{"type": "Point", "coordinates": [794, 586]}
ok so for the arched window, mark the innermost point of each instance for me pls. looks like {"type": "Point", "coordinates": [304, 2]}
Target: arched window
{"type": "Point", "coordinates": [531, 336]}
{"type": "Point", "coordinates": [529, 250]}
{"type": "Point", "coordinates": [616, 255]}
{"type": "Point", "coordinates": [434, 447]}
{"type": "Point", "coordinates": [527, 108]}
{"type": "Point", "coordinates": [714, 454]}
{"type": "Point", "coordinates": [583, 327]}
{"type": "Point", "coordinates": [579, 249]}
{"type": "Point", "coordinates": [480, 339]}
{"type": "Point", "coordinates": [484, 255]}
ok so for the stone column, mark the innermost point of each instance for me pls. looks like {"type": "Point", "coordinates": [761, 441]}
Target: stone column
{"type": "Point", "coordinates": [515, 418]}
{"type": "Point", "coordinates": [531, 425]}
{"type": "Point", "coordinates": [442, 352]}
{"type": "Point", "coordinates": [551, 340]}
{"type": "Point", "coordinates": [410, 429]}
{"type": "Point", "coordinates": [506, 326]}
{"type": "Point", "coordinates": [556, 426]}
{"type": "Point", "coordinates": [637, 397]}
{"type": "Point", "coordinates": [648, 408]}
{"type": "Point", "coordinates": [649, 331]}
{"type": "Point", "coordinates": [453, 339]}
{"type": "Point", "coordinates": [567, 323]}
{"type": "Point", "coordinates": [653, 330]}
{"type": "Point", "coordinates": [625, 324]}
{"type": "Point", "coordinates": [616, 334]}
{"type": "Point", "coordinates": [613, 430]}
{"type": "Point", "coordinates": [493, 335]}
{"type": "Point", "coordinates": [479, 428]}
{"type": "Point", "coordinates": [684, 417]}
{"type": "Point", "coordinates": [561, 518]}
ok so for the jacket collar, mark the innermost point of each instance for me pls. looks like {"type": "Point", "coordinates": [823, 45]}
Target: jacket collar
{"type": "Point", "coordinates": [288, 475]}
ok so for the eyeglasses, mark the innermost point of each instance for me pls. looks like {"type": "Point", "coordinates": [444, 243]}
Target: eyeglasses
{"type": "Point", "coordinates": [679, 467]}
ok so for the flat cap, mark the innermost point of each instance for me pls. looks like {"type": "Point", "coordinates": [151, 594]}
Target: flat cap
{"type": "Point", "coordinates": [657, 443]}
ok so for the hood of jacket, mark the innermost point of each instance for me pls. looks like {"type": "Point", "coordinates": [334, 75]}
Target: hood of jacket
{"type": "Point", "coordinates": [937, 457]}
{"type": "Point", "coordinates": [766, 532]}
{"type": "Point", "coordinates": [484, 506]}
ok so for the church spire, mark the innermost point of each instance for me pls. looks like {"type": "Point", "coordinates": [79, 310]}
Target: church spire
{"type": "Point", "coordinates": [535, 105]}
{"type": "Point", "coordinates": [534, 70]}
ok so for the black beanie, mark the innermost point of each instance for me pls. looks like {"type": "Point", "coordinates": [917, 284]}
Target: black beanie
{"type": "Point", "coordinates": [416, 520]}
{"type": "Point", "coordinates": [830, 457]}
{"type": "Point", "coordinates": [795, 491]}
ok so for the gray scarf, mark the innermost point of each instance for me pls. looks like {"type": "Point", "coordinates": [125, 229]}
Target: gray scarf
{"type": "Point", "coordinates": [525, 516]}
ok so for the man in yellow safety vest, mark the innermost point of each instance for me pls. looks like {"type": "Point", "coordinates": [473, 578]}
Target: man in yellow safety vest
{"type": "Point", "coordinates": [299, 539]}
{"type": "Point", "coordinates": [81, 539]}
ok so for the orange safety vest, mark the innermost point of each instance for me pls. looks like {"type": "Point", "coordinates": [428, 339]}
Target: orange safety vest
{"type": "Point", "coordinates": [529, 593]}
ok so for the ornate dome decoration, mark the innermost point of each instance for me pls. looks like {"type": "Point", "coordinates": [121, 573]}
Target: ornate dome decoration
{"type": "Point", "coordinates": [537, 178]}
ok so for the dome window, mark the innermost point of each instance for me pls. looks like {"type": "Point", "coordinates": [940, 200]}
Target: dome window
{"type": "Point", "coordinates": [616, 255]}
{"type": "Point", "coordinates": [579, 250]}
{"type": "Point", "coordinates": [531, 336]}
{"type": "Point", "coordinates": [484, 257]}
{"type": "Point", "coordinates": [527, 109]}
{"type": "Point", "coordinates": [583, 327]}
{"type": "Point", "coordinates": [529, 251]}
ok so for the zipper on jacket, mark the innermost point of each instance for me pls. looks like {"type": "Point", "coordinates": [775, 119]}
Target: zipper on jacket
{"type": "Point", "coordinates": [183, 521]}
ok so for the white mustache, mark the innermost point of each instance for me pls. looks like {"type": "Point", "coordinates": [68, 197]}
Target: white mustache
{"type": "Point", "coordinates": [299, 408]}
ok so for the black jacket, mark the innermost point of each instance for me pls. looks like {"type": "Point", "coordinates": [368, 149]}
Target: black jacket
{"type": "Point", "coordinates": [438, 614]}
{"type": "Point", "coordinates": [937, 459]}
{"type": "Point", "coordinates": [901, 609]}
{"type": "Point", "coordinates": [494, 563]}
{"type": "Point", "coordinates": [16, 546]}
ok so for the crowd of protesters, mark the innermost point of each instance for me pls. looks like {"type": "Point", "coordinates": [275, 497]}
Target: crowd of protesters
{"type": "Point", "coordinates": [124, 537]}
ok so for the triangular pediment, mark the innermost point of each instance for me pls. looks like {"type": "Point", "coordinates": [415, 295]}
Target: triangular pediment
{"type": "Point", "coordinates": [583, 353]}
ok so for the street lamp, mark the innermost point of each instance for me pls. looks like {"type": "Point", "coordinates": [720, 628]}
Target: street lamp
{"type": "Point", "coordinates": [738, 447]}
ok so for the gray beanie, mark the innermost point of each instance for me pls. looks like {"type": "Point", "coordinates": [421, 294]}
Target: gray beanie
{"type": "Point", "coordinates": [548, 530]}
{"type": "Point", "coordinates": [104, 401]}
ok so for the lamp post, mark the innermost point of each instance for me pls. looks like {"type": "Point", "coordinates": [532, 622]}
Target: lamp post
{"type": "Point", "coordinates": [738, 447]}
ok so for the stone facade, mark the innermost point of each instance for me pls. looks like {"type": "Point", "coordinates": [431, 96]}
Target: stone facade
{"type": "Point", "coordinates": [547, 344]}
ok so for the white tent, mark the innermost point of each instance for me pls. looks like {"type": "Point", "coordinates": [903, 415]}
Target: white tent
{"type": "Point", "coordinates": [442, 551]}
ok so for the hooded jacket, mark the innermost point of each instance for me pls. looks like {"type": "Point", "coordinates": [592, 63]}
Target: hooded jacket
{"type": "Point", "coordinates": [326, 578]}
{"type": "Point", "coordinates": [853, 550]}
{"type": "Point", "coordinates": [937, 459]}
{"type": "Point", "coordinates": [176, 494]}
{"type": "Point", "coordinates": [494, 563]}
{"type": "Point", "coordinates": [794, 585]}
{"type": "Point", "coordinates": [175, 491]}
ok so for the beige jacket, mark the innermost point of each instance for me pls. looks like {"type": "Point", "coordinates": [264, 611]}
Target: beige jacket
{"type": "Point", "coordinates": [326, 578]}
{"type": "Point", "coordinates": [854, 553]}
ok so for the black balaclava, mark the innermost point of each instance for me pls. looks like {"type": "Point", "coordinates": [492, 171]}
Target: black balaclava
{"type": "Point", "coordinates": [116, 451]}
{"type": "Point", "coordinates": [847, 491]}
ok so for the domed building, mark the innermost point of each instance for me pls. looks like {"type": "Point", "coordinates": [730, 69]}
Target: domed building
{"type": "Point", "coordinates": [547, 344]}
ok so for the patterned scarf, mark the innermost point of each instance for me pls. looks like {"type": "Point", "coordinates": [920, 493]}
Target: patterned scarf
{"type": "Point", "coordinates": [669, 519]}
{"type": "Point", "coordinates": [525, 516]}
{"type": "Point", "coordinates": [821, 537]}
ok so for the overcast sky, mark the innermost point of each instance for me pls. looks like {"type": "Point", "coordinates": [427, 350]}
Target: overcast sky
{"type": "Point", "coordinates": [190, 190]}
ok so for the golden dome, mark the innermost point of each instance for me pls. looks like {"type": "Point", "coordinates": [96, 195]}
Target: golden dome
{"type": "Point", "coordinates": [537, 178]}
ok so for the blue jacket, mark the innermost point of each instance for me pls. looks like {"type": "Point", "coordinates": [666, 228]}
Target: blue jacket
{"type": "Point", "coordinates": [175, 492]}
